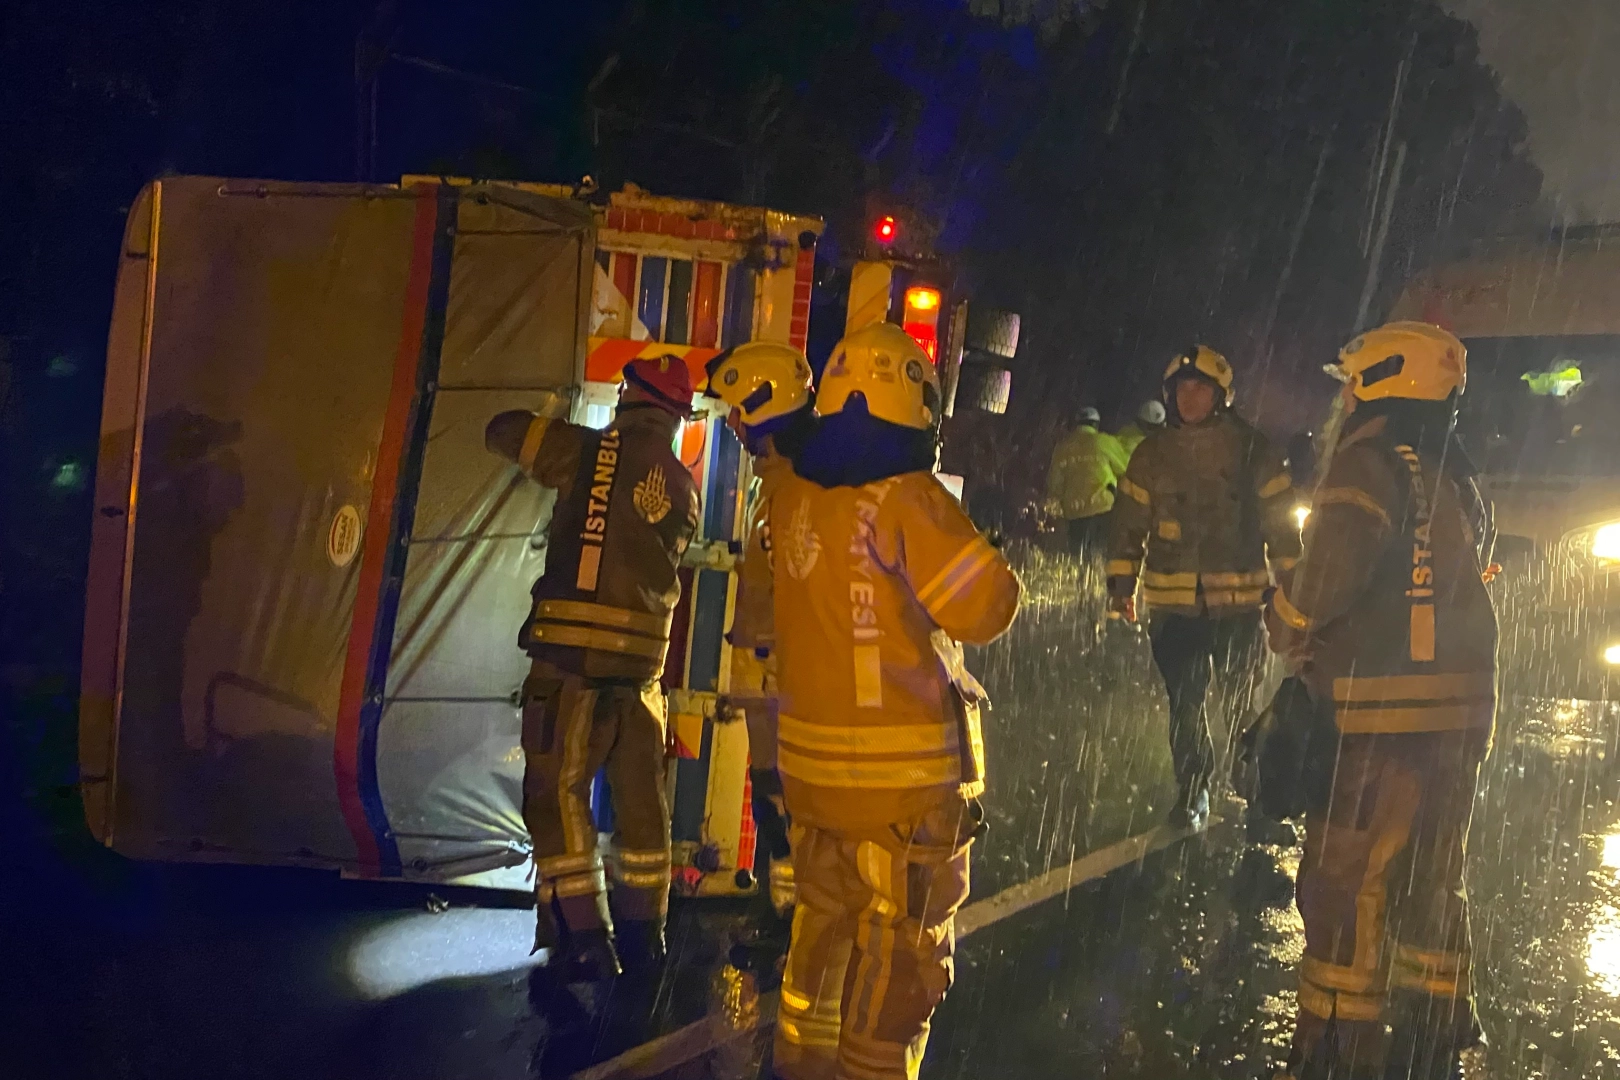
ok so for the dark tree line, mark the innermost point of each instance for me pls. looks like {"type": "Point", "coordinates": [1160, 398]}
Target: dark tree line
{"type": "Point", "coordinates": [1221, 172]}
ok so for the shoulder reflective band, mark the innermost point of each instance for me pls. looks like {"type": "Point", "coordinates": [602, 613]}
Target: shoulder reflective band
{"type": "Point", "coordinates": [1349, 496]}
{"type": "Point", "coordinates": [1120, 568]}
{"type": "Point", "coordinates": [531, 442]}
{"type": "Point", "coordinates": [1134, 490]}
{"type": "Point", "coordinates": [1276, 485]}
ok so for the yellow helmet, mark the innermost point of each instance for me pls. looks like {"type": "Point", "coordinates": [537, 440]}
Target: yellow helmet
{"type": "Point", "coordinates": [1414, 361]}
{"type": "Point", "coordinates": [885, 366]}
{"type": "Point", "coordinates": [763, 381]}
{"type": "Point", "coordinates": [1204, 361]}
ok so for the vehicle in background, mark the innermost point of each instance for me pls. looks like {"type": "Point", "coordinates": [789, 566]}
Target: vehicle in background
{"type": "Point", "coordinates": [1539, 420]}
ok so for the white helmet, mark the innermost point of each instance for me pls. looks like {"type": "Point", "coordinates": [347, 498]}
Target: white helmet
{"type": "Point", "coordinates": [1152, 414]}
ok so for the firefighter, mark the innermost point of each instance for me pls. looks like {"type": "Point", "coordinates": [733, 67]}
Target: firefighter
{"type": "Point", "coordinates": [879, 573]}
{"type": "Point", "coordinates": [1389, 624]}
{"type": "Point", "coordinates": [1149, 418]}
{"type": "Point", "coordinates": [1086, 467]}
{"type": "Point", "coordinates": [768, 387]}
{"type": "Point", "coordinates": [1211, 502]}
{"type": "Point", "coordinates": [626, 511]}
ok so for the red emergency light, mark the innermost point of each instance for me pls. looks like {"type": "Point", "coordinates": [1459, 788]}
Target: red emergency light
{"type": "Point", "coordinates": [921, 319]}
{"type": "Point", "coordinates": [885, 229]}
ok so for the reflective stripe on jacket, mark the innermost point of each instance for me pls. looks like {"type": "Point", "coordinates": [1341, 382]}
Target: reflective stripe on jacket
{"type": "Point", "coordinates": [874, 587]}
{"type": "Point", "coordinates": [1086, 465]}
{"type": "Point", "coordinates": [626, 511]}
{"type": "Point", "coordinates": [1201, 511]}
{"type": "Point", "coordinates": [1397, 625]}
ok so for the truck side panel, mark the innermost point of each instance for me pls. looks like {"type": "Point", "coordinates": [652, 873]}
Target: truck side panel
{"type": "Point", "coordinates": [284, 378]}
{"type": "Point", "coordinates": [114, 504]}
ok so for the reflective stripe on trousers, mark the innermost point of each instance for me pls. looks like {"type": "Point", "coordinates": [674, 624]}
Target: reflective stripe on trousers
{"type": "Point", "coordinates": [873, 935]}
{"type": "Point", "coordinates": [1381, 887]}
{"type": "Point", "coordinates": [572, 728]}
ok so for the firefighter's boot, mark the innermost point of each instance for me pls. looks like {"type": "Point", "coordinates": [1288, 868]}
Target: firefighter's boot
{"type": "Point", "coordinates": [1431, 1036]}
{"type": "Point", "coordinates": [589, 956]}
{"type": "Point", "coordinates": [549, 929]}
{"type": "Point", "coordinates": [640, 944]}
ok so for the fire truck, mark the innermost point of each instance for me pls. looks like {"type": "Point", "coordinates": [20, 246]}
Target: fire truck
{"type": "Point", "coordinates": [307, 573]}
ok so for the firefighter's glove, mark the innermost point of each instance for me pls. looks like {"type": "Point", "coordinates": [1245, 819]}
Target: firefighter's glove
{"type": "Point", "coordinates": [505, 433]}
{"type": "Point", "coordinates": [1491, 573]}
{"type": "Point", "coordinates": [1291, 644]}
{"type": "Point", "coordinates": [1122, 607]}
{"type": "Point", "coordinates": [727, 711]}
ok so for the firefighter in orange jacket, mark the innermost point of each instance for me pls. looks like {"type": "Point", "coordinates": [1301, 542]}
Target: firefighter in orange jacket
{"type": "Point", "coordinates": [626, 511]}
{"type": "Point", "coordinates": [879, 573]}
{"type": "Point", "coordinates": [768, 386]}
{"type": "Point", "coordinates": [1391, 629]}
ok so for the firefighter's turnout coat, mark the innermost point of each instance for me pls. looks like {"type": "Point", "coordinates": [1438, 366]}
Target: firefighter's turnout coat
{"type": "Point", "coordinates": [626, 511]}
{"type": "Point", "coordinates": [1201, 510]}
{"type": "Point", "coordinates": [1400, 628]}
{"type": "Point", "coordinates": [874, 587]}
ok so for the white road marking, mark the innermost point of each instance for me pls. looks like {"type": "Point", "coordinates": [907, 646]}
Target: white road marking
{"type": "Point", "coordinates": [699, 1037]}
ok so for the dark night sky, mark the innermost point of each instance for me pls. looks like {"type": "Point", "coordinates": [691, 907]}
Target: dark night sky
{"type": "Point", "coordinates": [1556, 59]}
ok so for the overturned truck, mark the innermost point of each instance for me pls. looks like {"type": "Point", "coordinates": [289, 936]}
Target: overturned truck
{"type": "Point", "coordinates": [307, 573]}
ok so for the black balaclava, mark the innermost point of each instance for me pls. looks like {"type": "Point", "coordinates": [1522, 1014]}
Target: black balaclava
{"type": "Point", "coordinates": [1427, 426]}
{"type": "Point", "coordinates": [789, 433]}
{"type": "Point", "coordinates": [852, 447]}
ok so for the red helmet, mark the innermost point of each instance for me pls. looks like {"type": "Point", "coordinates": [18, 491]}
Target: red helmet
{"type": "Point", "coordinates": [666, 378]}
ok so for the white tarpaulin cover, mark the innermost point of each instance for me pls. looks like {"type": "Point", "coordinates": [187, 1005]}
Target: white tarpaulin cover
{"type": "Point", "coordinates": [307, 573]}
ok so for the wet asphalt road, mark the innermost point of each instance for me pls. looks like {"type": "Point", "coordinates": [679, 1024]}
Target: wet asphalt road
{"type": "Point", "coordinates": [1177, 967]}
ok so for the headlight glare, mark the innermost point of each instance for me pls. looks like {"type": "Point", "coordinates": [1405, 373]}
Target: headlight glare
{"type": "Point", "coordinates": [1606, 543]}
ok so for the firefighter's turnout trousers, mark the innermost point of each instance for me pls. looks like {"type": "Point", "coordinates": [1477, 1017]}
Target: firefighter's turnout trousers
{"type": "Point", "coordinates": [1188, 649]}
{"type": "Point", "coordinates": [753, 689]}
{"type": "Point", "coordinates": [1381, 892]}
{"type": "Point", "coordinates": [574, 727]}
{"type": "Point", "coordinates": [873, 937]}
